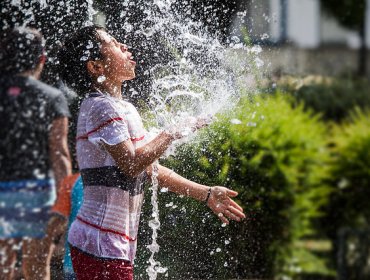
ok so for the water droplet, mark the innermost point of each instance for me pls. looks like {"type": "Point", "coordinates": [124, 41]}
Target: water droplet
{"type": "Point", "coordinates": [235, 121]}
{"type": "Point", "coordinates": [343, 183]}
{"type": "Point", "coordinates": [265, 36]}
{"type": "Point", "coordinates": [101, 79]}
{"type": "Point", "coordinates": [128, 27]}
{"type": "Point", "coordinates": [38, 174]}
{"type": "Point", "coordinates": [259, 62]}
{"type": "Point", "coordinates": [235, 39]}
{"type": "Point", "coordinates": [169, 204]}
{"type": "Point", "coordinates": [89, 45]}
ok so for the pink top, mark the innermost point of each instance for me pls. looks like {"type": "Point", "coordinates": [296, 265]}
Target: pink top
{"type": "Point", "coordinates": [107, 222]}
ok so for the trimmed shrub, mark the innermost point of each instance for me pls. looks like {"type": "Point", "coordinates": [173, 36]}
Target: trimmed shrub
{"type": "Point", "coordinates": [334, 98]}
{"type": "Point", "coordinates": [349, 206]}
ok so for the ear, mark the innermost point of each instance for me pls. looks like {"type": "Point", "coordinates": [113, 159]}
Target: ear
{"type": "Point", "coordinates": [95, 68]}
{"type": "Point", "coordinates": [42, 59]}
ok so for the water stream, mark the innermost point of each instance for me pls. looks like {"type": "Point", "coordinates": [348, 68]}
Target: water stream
{"type": "Point", "coordinates": [154, 266]}
{"type": "Point", "coordinates": [197, 82]}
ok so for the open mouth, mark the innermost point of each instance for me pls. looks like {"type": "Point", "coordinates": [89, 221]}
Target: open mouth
{"type": "Point", "coordinates": [131, 60]}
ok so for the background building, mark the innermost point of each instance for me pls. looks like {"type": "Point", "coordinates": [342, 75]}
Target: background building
{"type": "Point", "coordinates": [309, 39]}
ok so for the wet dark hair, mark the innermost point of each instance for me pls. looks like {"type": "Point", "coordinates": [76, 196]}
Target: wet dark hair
{"type": "Point", "coordinates": [20, 50]}
{"type": "Point", "coordinates": [76, 51]}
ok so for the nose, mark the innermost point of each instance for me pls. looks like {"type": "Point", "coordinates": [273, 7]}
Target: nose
{"type": "Point", "coordinates": [124, 48]}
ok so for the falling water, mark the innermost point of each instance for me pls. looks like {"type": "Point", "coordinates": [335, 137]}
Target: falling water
{"type": "Point", "coordinates": [155, 266]}
{"type": "Point", "coordinates": [90, 12]}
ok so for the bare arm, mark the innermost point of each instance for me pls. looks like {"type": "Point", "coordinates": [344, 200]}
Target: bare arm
{"type": "Point", "coordinates": [133, 161]}
{"type": "Point", "coordinates": [177, 184]}
{"type": "Point", "coordinates": [219, 200]}
{"type": "Point", "coordinates": [58, 149]}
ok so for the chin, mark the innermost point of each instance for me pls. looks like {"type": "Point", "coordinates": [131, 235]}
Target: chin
{"type": "Point", "coordinates": [131, 77]}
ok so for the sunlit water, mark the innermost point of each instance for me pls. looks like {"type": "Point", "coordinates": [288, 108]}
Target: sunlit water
{"type": "Point", "coordinates": [155, 266]}
{"type": "Point", "coordinates": [202, 79]}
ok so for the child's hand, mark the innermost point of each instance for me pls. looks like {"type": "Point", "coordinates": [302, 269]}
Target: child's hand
{"type": "Point", "coordinates": [202, 122]}
{"type": "Point", "coordinates": [223, 206]}
{"type": "Point", "coordinates": [189, 126]}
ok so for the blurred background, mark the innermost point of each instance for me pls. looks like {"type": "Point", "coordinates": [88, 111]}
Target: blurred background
{"type": "Point", "coordinates": [296, 145]}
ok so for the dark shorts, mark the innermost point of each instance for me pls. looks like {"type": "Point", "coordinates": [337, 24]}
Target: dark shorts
{"type": "Point", "coordinates": [89, 267]}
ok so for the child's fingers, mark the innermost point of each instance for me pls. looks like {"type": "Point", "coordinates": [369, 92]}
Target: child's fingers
{"type": "Point", "coordinates": [235, 205]}
{"type": "Point", "coordinates": [202, 122]}
{"type": "Point", "coordinates": [231, 193]}
{"type": "Point", "coordinates": [236, 212]}
{"type": "Point", "coordinates": [232, 216]}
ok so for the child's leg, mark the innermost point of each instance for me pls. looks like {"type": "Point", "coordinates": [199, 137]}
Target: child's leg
{"type": "Point", "coordinates": [8, 257]}
{"type": "Point", "coordinates": [36, 256]}
{"type": "Point", "coordinates": [88, 267]}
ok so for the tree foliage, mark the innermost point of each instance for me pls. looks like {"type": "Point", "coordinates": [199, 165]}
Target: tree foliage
{"type": "Point", "coordinates": [349, 13]}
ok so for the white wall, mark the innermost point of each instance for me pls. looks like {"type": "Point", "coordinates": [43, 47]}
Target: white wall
{"type": "Point", "coordinates": [259, 18]}
{"type": "Point", "coordinates": [275, 20]}
{"type": "Point", "coordinates": [334, 33]}
{"type": "Point", "coordinates": [307, 26]}
{"type": "Point", "coordinates": [303, 23]}
{"type": "Point", "coordinates": [331, 31]}
{"type": "Point", "coordinates": [368, 23]}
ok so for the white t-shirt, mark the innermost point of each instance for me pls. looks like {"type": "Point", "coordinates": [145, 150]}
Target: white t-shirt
{"type": "Point", "coordinates": [107, 222]}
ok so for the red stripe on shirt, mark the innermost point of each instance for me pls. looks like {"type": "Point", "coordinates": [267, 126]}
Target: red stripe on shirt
{"type": "Point", "coordinates": [85, 136]}
{"type": "Point", "coordinates": [137, 139]}
{"type": "Point", "coordinates": [106, 229]}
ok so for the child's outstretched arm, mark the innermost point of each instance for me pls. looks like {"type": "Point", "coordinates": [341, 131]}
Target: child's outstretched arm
{"type": "Point", "coordinates": [134, 161]}
{"type": "Point", "coordinates": [218, 198]}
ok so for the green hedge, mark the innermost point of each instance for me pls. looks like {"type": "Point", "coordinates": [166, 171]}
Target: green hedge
{"type": "Point", "coordinates": [275, 156]}
{"type": "Point", "coordinates": [333, 98]}
{"type": "Point", "coordinates": [350, 174]}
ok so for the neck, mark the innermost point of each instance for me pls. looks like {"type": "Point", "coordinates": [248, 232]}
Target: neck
{"type": "Point", "coordinates": [34, 74]}
{"type": "Point", "coordinates": [113, 90]}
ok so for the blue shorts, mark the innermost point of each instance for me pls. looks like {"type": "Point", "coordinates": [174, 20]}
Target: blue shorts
{"type": "Point", "coordinates": [25, 208]}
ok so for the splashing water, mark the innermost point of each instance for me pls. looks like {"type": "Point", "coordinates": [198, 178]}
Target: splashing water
{"type": "Point", "coordinates": [202, 78]}
{"type": "Point", "coordinates": [196, 83]}
{"type": "Point", "coordinates": [155, 266]}
{"type": "Point", "coordinates": [90, 12]}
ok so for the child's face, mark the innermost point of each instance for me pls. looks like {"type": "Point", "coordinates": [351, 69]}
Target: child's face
{"type": "Point", "coordinates": [117, 61]}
